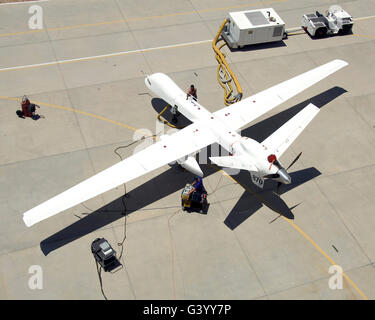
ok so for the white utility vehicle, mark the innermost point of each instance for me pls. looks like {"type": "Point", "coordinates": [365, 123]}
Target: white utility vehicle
{"type": "Point", "coordinates": [336, 21]}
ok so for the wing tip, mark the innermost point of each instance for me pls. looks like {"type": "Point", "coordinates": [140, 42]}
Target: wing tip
{"type": "Point", "coordinates": [313, 107]}
{"type": "Point", "coordinates": [28, 222]}
{"type": "Point", "coordinates": [341, 63]}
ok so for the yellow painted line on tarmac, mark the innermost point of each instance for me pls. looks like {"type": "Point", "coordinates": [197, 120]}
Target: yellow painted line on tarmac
{"type": "Point", "coordinates": [367, 36]}
{"type": "Point", "coordinates": [86, 25]}
{"type": "Point", "coordinates": [21, 32]}
{"type": "Point", "coordinates": [296, 33]}
{"type": "Point", "coordinates": [360, 292]}
{"type": "Point", "coordinates": [364, 18]}
{"type": "Point", "coordinates": [89, 114]}
{"type": "Point", "coordinates": [306, 236]}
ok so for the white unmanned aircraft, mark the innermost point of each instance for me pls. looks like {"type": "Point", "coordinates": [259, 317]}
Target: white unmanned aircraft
{"type": "Point", "coordinates": [260, 159]}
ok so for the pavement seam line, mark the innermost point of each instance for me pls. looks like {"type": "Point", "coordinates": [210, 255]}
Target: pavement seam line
{"type": "Point", "coordinates": [341, 218]}
{"type": "Point", "coordinates": [120, 53]}
{"type": "Point", "coordinates": [251, 268]}
{"type": "Point", "coordinates": [314, 281]}
{"type": "Point", "coordinates": [101, 56]}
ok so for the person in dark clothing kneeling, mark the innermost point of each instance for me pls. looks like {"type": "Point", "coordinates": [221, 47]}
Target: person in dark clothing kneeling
{"type": "Point", "coordinates": [198, 184]}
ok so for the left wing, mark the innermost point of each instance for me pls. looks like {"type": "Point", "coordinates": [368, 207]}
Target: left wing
{"type": "Point", "coordinates": [279, 141]}
{"type": "Point", "coordinates": [169, 149]}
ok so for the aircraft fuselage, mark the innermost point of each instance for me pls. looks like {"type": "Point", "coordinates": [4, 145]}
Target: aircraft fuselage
{"type": "Point", "coordinates": [228, 138]}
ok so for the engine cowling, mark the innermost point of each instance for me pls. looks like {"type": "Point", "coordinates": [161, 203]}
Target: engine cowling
{"type": "Point", "coordinates": [164, 87]}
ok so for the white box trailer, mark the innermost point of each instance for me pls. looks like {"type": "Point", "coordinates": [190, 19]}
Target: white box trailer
{"type": "Point", "coordinates": [252, 27]}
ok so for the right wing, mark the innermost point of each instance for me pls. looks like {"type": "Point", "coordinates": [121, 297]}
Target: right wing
{"type": "Point", "coordinates": [169, 149]}
{"type": "Point", "coordinates": [247, 110]}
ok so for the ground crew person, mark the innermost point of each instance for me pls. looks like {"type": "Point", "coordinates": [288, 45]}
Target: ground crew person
{"type": "Point", "coordinates": [28, 109]}
{"type": "Point", "coordinates": [198, 184]}
{"type": "Point", "coordinates": [192, 92]}
{"type": "Point", "coordinates": [174, 111]}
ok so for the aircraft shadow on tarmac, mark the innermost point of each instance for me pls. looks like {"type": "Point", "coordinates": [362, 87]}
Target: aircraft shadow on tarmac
{"type": "Point", "coordinates": [174, 179]}
{"type": "Point", "coordinates": [250, 202]}
{"type": "Point", "coordinates": [159, 105]}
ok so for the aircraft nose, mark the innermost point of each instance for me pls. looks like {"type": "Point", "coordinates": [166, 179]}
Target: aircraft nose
{"type": "Point", "coordinates": [284, 177]}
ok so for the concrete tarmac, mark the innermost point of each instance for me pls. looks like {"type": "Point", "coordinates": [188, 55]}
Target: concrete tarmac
{"type": "Point", "coordinates": [240, 249]}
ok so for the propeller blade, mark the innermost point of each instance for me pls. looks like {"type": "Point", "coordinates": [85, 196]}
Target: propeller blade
{"type": "Point", "coordinates": [294, 161]}
{"type": "Point", "coordinates": [271, 176]}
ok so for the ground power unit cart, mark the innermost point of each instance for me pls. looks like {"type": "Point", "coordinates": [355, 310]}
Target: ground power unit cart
{"type": "Point", "coordinates": [252, 27]}
{"type": "Point", "coordinates": [193, 200]}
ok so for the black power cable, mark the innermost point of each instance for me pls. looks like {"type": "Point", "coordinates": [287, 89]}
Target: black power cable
{"type": "Point", "coordinates": [125, 195]}
{"type": "Point", "coordinates": [125, 210]}
{"type": "Point", "coordinates": [99, 270]}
